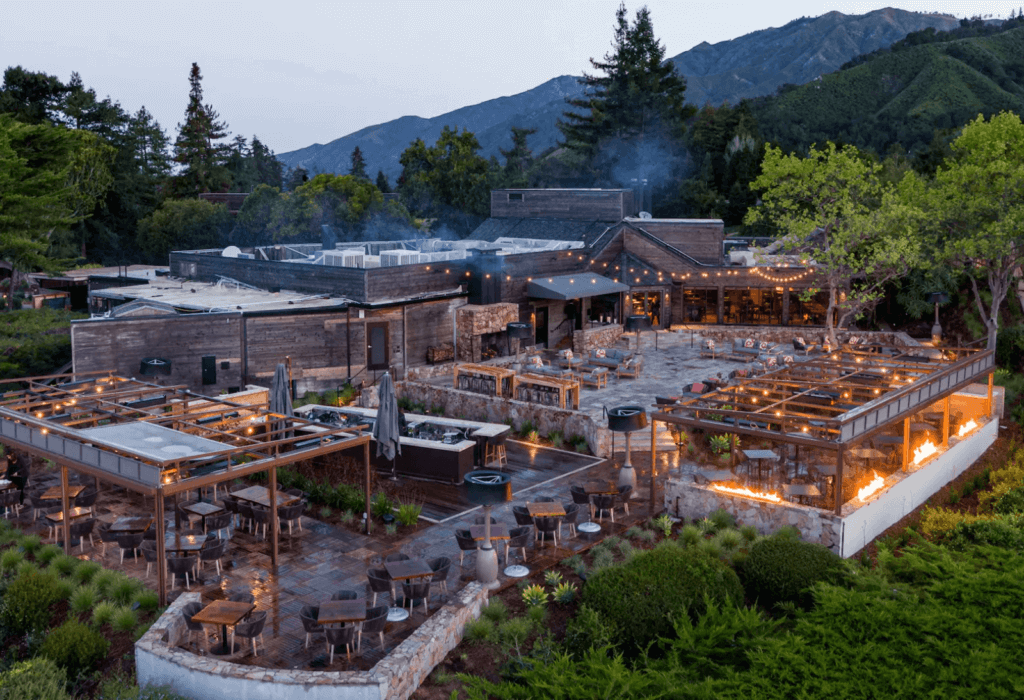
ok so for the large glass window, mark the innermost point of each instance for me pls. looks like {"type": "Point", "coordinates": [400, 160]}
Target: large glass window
{"type": "Point", "coordinates": [650, 304]}
{"type": "Point", "coordinates": [753, 306]}
{"type": "Point", "coordinates": [700, 305]}
{"type": "Point", "coordinates": [807, 313]}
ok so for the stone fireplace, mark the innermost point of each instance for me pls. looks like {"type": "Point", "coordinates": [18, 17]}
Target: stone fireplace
{"type": "Point", "coordinates": [481, 330]}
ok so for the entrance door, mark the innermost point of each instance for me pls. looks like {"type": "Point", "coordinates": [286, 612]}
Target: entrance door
{"type": "Point", "coordinates": [378, 348]}
{"type": "Point", "coordinates": [541, 314]}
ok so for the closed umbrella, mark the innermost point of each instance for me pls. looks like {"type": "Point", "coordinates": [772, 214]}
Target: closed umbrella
{"type": "Point", "coordinates": [281, 396]}
{"type": "Point", "coordinates": [386, 430]}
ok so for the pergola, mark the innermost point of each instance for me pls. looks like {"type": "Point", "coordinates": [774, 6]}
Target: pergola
{"type": "Point", "coordinates": [836, 401]}
{"type": "Point", "coordinates": [160, 440]}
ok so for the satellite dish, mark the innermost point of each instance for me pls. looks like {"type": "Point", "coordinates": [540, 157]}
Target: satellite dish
{"type": "Point", "coordinates": [232, 251]}
{"type": "Point", "coordinates": [646, 215]}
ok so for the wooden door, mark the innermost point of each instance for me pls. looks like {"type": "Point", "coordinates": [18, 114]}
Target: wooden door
{"type": "Point", "coordinates": [378, 346]}
{"type": "Point", "coordinates": [542, 326]}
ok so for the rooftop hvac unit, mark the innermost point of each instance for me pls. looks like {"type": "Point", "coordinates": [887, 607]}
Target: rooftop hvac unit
{"type": "Point", "coordinates": [370, 261]}
{"type": "Point", "coordinates": [393, 258]}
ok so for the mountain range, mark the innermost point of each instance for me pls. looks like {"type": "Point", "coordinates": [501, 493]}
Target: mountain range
{"type": "Point", "coordinates": [752, 65]}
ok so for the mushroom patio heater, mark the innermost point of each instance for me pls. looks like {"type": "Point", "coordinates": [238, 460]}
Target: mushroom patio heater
{"type": "Point", "coordinates": [638, 323]}
{"type": "Point", "coordinates": [937, 298]}
{"type": "Point", "coordinates": [521, 332]}
{"type": "Point", "coordinates": [155, 367]}
{"type": "Point", "coordinates": [487, 488]}
{"type": "Point", "coordinates": [628, 420]}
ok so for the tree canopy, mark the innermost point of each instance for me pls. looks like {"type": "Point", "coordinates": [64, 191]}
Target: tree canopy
{"type": "Point", "coordinates": [197, 149]}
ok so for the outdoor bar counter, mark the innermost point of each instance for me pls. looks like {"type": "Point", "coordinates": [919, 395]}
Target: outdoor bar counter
{"type": "Point", "coordinates": [421, 458]}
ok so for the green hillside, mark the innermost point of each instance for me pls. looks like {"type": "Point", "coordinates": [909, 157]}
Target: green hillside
{"type": "Point", "coordinates": [900, 97]}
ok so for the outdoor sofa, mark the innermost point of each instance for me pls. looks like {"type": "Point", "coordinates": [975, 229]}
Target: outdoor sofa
{"type": "Point", "coordinates": [608, 357]}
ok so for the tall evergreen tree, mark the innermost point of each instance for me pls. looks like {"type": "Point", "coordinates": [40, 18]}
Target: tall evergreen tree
{"type": "Point", "coordinates": [197, 149]}
{"type": "Point", "coordinates": [33, 98]}
{"type": "Point", "coordinates": [269, 170]}
{"type": "Point", "coordinates": [518, 159]}
{"type": "Point", "coordinates": [382, 182]}
{"type": "Point", "coordinates": [241, 165]}
{"type": "Point", "coordinates": [358, 168]}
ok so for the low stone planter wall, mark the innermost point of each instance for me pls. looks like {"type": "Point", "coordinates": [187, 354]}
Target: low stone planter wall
{"type": "Point", "coordinates": [159, 661]}
{"type": "Point", "coordinates": [492, 409]}
{"type": "Point", "coordinates": [784, 335]}
{"type": "Point", "coordinates": [686, 499]}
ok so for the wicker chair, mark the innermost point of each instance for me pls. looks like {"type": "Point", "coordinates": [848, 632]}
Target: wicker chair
{"type": "Point", "coordinates": [481, 520]}
{"type": "Point", "coordinates": [522, 515]}
{"type": "Point", "coordinates": [193, 627]}
{"type": "Point", "coordinates": [309, 616]}
{"type": "Point", "coordinates": [214, 550]}
{"type": "Point", "coordinates": [260, 516]}
{"type": "Point", "coordinates": [440, 566]}
{"type": "Point", "coordinates": [604, 502]}
{"type": "Point", "coordinates": [345, 594]}
{"type": "Point", "coordinates": [376, 620]}
{"type": "Point", "coordinates": [181, 566]}
{"type": "Point", "coordinates": [397, 556]}
{"type": "Point", "coordinates": [291, 514]}
{"type": "Point", "coordinates": [547, 526]}
{"type": "Point", "coordinates": [622, 498]}
{"type": "Point", "coordinates": [518, 538]}
{"type": "Point", "coordinates": [251, 629]}
{"type": "Point", "coordinates": [572, 513]}
{"type": "Point", "coordinates": [216, 524]}
{"type": "Point", "coordinates": [148, 549]}
{"type": "Point", "coordinates": [129, 541]}
{"type": "Point", "coordinates": [245, 514]}
{"type": "Point", "coordinates": [106, 536]}
{"type": "Point", "coordinates": [378, 581]}
{"type": "Point", "coordinates": [581, 497]}
{"type": "Point", "coordinates": [466, 543]}
{"type": "Point", "coordinates": [86, 499]}
{"type": "Point", "coordinates": [414, 590]}
{"type": "Point", "coordinates": [336, 636]}
{"type": "Point", "coordinates": [82, 529]}
{"type": "Point", "coordinates": [242, 597]}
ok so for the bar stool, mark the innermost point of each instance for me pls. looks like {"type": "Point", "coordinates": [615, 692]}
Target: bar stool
{"type": "Point", "coordinates": [494, 450]}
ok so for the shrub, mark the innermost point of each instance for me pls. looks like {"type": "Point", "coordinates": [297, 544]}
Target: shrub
{"type": "Point", "coordinates": [83, 599]}
{"type": "Point", "coordinates": [10, 559]}
{"type": "Point", "coordinates": [514, 631]}
{"type": "Point", "coordinates": [585, 631]}
{"type": "Point", "coordinates": [147, 600]}
{"type": "Point", "coordinates": [533, 436]}
{"type": "Point", "coordinates": [65, 587]}
{"type": "Point", "coordinates": [690, 535]}
{"type": "Point", "coordinates": [408, 514]}
{"type": "Point", "coordinates": [26, 567]}
{"type": "Point", "coordinates": [39, 679]}
{"type": "Point", "coordinates": [603, 558]}
{"type": "Point", "coordinates": [729, 539]}
{"type": "Point", "coordinates": [664, 523]}
{"type": "Point", "coordinates": [381, 506]}
{"type": "Point", "coordinates": [556, 438]}
{"type": "Point", "coordinates": [496, 610]}
{"type": "Point", "coordinates": [75, 647]}
{"type": "Point", "coordinates": [1004, 480]}
{"type": "Point", "coordinates": [391, 529]}
{"type": "Point", "coordinates": [29, 543]}
{"type": "Point", "coordinates": [640, 598]}
{"type": "Point", "coordinates": [103, 613]}
{"type": "Point", "coordinates": [122, 592]}
{"type": "Point", "coordinates": [565, 593]}
{"type": "Point", "coordinates": [535, 595]}
{"type": "Point", "coordinates": [936, 521]}
{"type": "Point", "coordinates": [749, 533]}
{"type": "Point", "coordinates": [634, 532]}
{"type": "Point", "coordinates": [480, 630]}
{"type": "Point", "coordinates": [552, 577]}
{"type": "Point", "coordinates": [325, 513]}
{"type": "Point", "coordinates": [125, 620]}
{"type": "Point", "coordinates": [782, 569]}
{"type": "Point", "coordinates": [1011, 502]}
{"type": "Point", "coordinates": [104, 581]}
{"type": "Point", "coordinates": [573, 561]}
{"type": "Point", "coordinates": [48, 553]}
{"type": "Point", "coordinates": [347, 516]}
{"type": "Point", "coordinates": [1007, 532]}
{"type": "Point", "coordinates": [537, 614]}
{"type": "Point", "coordinates": [711, 548]}
{"type": "Point", "coordinates": [26, 604]}
{"type": "Point", "coordinates": [64, 565]}
{"type": "Point", "coordinates": [526, 428]}
{"type": "Point", "coordinates": [722, 519]}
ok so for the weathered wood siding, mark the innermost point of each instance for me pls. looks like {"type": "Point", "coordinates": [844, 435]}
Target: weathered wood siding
{"type": "Point", "coordinates": [700, 239]}
{"type": "Point", "coordinates": [587, 205]}
{"type": "Point", "coordinates": [348, 282]}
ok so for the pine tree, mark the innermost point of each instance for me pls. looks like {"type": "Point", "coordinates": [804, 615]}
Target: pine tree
{"type": "Point", "coordinates": [518, 159]}
{"type": "Point", "coordinates": [358, 168]}
{"type": "Point", "coordinates": [269, 170]}
{"type": "Point", "coordinates": [639, 96]}
{"type": "Point", "coordinates": [196, 148]}
{"type": "Point", "coordinates": [382, 182]}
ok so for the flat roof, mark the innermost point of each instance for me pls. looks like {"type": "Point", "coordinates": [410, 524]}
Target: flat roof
{"type": "Point", "coordinates": [578, 286]}
{"type": "Point", "coordinates": [221, 296]}
{"type": "Point", "coordinates": [151, 440]}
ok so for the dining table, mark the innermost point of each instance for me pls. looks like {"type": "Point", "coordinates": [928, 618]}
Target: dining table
{"type": "Point", "coordinates": [224, 613]}
{"type": "Point", "coordinates": [596, 488]}
{"type": "Point", "coordinates": [336, 612]}
{"type": "Point", "coordinates": [184, 543]}
{"type": "Point", "coordinates": [204, 510]}
{"type": "Point", "coordinates": [261, 495]}
{"type": "Point", "coordinates": [546, 509]}
{"type": "Point", "coordinates": [760, 457]}
{"type": "Point", "coordinates": [53, 493]}
{"type": "Point", "coordinates": [499, 531]}
{"type": "Point", "coordinates": [132, 523]}
{"type": "Point", "coordinates": [408, 569]}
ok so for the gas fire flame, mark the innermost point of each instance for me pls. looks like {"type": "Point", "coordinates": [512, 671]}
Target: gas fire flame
{"type": "Point", "coordinates": [925, 451]}
{"type": "Point", "coordinates": [966, 428]}
{"type": "Point", "coordinates": [876, 484]}
{"type": "Point", "coordinates": [774, 498]}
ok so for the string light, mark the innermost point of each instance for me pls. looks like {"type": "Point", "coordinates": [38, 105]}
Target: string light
{"type": "Point", "coordinates": [760, 272]}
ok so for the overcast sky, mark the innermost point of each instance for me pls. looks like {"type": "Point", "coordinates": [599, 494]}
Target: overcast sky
{"type": "Point", "coordinates": [296, 73]}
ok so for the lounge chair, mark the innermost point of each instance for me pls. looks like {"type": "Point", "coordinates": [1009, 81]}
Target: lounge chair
{"type": "Point", "coordinates": [608, 357]}
{"type": "Point", "coordinates": [709, 349]}
{"type": "Point", "coordinates": [631, 368]}
{"type": "Point", "coordinates": [801, 345]}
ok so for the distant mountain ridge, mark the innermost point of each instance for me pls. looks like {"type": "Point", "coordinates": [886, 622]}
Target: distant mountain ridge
{"type": "Point", "coordinates": [752, 65]}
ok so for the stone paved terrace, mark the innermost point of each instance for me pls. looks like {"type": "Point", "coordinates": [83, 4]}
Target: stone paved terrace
{"type": "Point", "coordinates": [323, 559]}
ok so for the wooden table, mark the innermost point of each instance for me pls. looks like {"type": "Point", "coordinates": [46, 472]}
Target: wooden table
{"type": "Point", "coordinates": [335, 612]}
{"type": "Point", "coordinates": [139, 523]}
{"type": "Point", "coordinates": [500, 374]}
{"type": "Point", "coordinates": [408, 568]}
{"type": "Point", "coordinates": [184, 543]}
{"type": "Point", "coordinates": [223, 613]}
{"type": "Point", "coordinates": [546, 510]}
{"type": "Point", "coordinates": [592, 488]}
{"type": "Point", "coordinates": [53, 493]}
{"type": "Point", "coordinates": [568, 389]}
{"type": "Point", "coordinates": [499, 531]}
{"type": "Point", "coordinates": [203, 509]}
{"type": "Point", "coordinates": [73, 514]}
{"type": "Point", "coordinates": [261, 495]}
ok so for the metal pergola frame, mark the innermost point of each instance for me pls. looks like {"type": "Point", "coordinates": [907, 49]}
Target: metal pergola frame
{"type": "Point", "coordinates": [44, 419]}
{"type": "Point", "coordinates": [796, 404]}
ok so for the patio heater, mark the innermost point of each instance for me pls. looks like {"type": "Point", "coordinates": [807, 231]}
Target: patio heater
{"type": "Point", "coordinates": [638, 323]}
{"type": "Point", "coordinates": [487, 488]}
{"type": "Point", "coordinates": [155, 367]}
{"type": "Point", "coordinates": [628, 420]}
{"type": "Point", "coordinates": [937, 298]}
{"type": "Point", "coordinates": [521, 332]}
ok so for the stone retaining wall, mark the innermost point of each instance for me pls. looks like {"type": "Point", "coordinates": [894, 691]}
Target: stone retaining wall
{"type": "Point", "coordinates": [686, 499]}
{"type": "Point", "coordinates": [604, 337]}
{"type": "Point", "coordinates": [492, 409]}
{"type": "Point", "coordinates": [159, 661]}
{"type": "Point", "coordinates": [784, 335]}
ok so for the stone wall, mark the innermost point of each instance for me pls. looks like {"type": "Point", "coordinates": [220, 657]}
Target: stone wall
{"type": "Point", "coordinates": [160, 661]}
{"type": "Point", "coordinates": [686, 499]}
{"type": "Point", "coordinates": [591, 338]}
{"type": "Point", "coordinates": [784, 334]}
{"type": "Point", "coordinates": [492, 409]}
{"type": "Point", "coordinates": [473, 320]}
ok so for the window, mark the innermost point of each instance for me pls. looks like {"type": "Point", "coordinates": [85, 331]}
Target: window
{"type": "Point", "coordinates": [515, 196]}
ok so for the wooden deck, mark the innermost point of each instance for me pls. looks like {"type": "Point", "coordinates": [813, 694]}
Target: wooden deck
{"type": "Point", "coordinates": [529, 465]}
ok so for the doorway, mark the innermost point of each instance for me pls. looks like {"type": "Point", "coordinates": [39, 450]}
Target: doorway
{"type": "Point", "coordinates": [541, 324]}
{"type": "Point", "coordinates": [378, 348]}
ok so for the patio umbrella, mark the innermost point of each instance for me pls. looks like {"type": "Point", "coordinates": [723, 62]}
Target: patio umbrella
{"type": "Point", "coordinates": [281, 396]}
{"type": "Point", "coordinates": [386, 430]}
